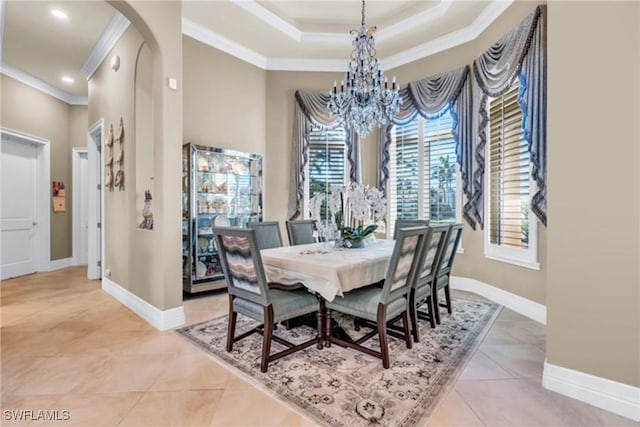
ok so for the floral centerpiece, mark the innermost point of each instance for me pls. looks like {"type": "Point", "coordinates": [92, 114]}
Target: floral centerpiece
{"type": "Point", "coordinates": [355, 210]}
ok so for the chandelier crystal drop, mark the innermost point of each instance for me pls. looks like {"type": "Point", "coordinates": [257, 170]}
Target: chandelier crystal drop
{"type": "Point", "coordinates": [365, 97]}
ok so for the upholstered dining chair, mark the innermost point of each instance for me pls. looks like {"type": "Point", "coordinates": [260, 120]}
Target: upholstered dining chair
{"type": "Point", "coordinates": [249, 294]}
{"type": "Point", "coordinates": [421, 291]}
{"type": "Point", "coordinates": [300, 232]}
{"type": "Point", "coordinates": [404, 223]}
{"type": "Point", "coordinates": [267, 234]}
{"type": "Point", "coordinates": [387, 304]}
{"type": "Point", "coordinates": [443, 274]}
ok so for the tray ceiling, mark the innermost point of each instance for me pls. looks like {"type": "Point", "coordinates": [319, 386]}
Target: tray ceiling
{"type": "Point", "coordinates": [272, 34]}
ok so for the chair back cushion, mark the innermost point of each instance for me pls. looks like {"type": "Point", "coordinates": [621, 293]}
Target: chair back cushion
{"type": "Point", "coordinates": [432, 253]}
{"type": "Point", "coordinates": [448, 255]}
{"type": "Point", "coordinates": [242, 263]}
{"type": "Point", "coordinates": [267, 234]}
{"type": "Point", "coordinates": [404, 263]}
{"type": "Point", "coordinates": [301, 232]}
{"type": "Point", "coordinates": [404, 223]}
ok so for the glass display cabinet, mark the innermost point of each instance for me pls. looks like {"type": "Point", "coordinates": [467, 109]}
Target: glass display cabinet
{"type": "Point", "coordinates": [222, 188]}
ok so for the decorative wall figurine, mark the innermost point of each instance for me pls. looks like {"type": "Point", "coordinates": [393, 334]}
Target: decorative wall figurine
{"type": "Point", "coordinates": [147, 214]}
{"type": "Point", "coordinates": [108, 180]}
{"type": "Point", "coordinates": [108, 142]}
{"type": "Point", "coordinates": [119, 158]}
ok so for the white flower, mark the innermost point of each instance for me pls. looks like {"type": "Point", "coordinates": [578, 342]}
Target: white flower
{"type": "Point", "coordinates": [359, 203]}
{"type": "Point", "coordinates": [315, 205]}
{"type": "Point", "coordinates": [335, 200]}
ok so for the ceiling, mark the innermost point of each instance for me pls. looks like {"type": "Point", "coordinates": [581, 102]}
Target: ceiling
{"type": "Point", "coordinates": [48, 48]}
{"type": "Point", "coordinates": [272, 34]}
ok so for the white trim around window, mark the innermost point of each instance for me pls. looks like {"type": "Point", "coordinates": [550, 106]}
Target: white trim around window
{"type": "Point", "coordinates": [527, 258]}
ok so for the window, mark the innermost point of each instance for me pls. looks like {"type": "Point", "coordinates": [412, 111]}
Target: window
{"type": "Point", "coordinates": [423, 181]}
{"type": "Point", "coordinates": [327, 164]}
{"type": "Point", "coordinates": [511, 232]}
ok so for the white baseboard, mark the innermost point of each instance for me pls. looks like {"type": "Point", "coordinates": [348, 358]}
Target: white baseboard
{"type": "Point", "coordinates": [526, 307]}
{"type": "Point", "coordinates": [58, 264]}
{"type": "Point", "coordinates": [160, 319]}
{"type": "Point", "coordinates": [612, 396]}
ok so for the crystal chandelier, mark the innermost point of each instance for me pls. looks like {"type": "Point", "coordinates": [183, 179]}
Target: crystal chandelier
{"type": "Point", "coordinates": [366, 99]}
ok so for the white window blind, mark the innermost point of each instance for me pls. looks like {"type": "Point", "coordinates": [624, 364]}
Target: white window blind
{"type": "Point", "coordinates": [508, 173]}
{"type": "Point", "coordinates": [407, 181]}
{"type": "Point", "coordinates": [327, 162]}
{"type": "Point", "coordinates": [423, 180]}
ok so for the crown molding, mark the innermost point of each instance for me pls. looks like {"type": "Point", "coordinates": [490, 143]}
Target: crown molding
{"type": "Point", "coordinates": [208, 37]}
{"type": "Point", "coordinates": [300, 64]}
{"type": "Point", "coordinates": [270, 18]}
{"type": "Point", "coordinates": [38, 84]}
{"type": "Point", "coordinates": [415, 21]}
{"type": "Point", "coordinates": [110, 36]}
{"type": "Point", "coordinates": [447, 41]}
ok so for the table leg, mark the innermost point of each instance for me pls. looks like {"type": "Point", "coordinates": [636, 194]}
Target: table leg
{"type": "Point", "coordinates": [327, 341]}
{"type": "Point", "coordinates": [320, 319]}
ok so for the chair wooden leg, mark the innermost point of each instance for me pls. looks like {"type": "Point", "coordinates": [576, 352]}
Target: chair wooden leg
{"type": "Point", "coordinates": [432, 321]}
{"type": "Point", "coordinates": [407, 333]}
{"type": "Point", "coordinates": [382, 335]}
{"type": "Point", "coordinates": [328, 331]}
{"type": "Point", "coordinates": [266, 337]}
{"type": "Point", "coordinates": [413, 311]}
{"type": "Point", "coordinates": [436, 306]}
{"type": "Point", "coordinates": [231, 327]}
{"type": "Point", "coordinates": [447, 295]}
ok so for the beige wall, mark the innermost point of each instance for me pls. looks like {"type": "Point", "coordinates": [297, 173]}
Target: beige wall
{"type": "Point", "coordinates": [224, 99]}
{"type": "Point", "coordinates": [593, 297]}
{"type": "Point", "coordinates": [33, 112]}
{"type": "Point", "coordinates": [110, 98]}
{"type": "Point", "coordinates": [78, 125]}
{"type": "Point", "coordinates": [281, 87]}
{"type": "Point", "coordinates": [147, 263]}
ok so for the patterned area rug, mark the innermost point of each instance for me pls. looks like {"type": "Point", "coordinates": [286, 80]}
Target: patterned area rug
{"type": "Point", "coordinates": [337, 386]}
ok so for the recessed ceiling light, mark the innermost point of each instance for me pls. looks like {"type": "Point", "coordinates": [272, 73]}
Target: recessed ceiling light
{"type": "Point", "coordinates": [59, 14]}
{"type": "Point", "coordinates": [67, 79]}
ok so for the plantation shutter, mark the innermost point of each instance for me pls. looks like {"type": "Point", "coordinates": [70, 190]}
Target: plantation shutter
{"type": "Point", "coordinates": [326, 162]}
{"type": "Point", "coordinates": [406, 171]}
{"type": "Point", "coordinates": [440, 162]}
{"type": "Point", "coordinates": [509, 172]}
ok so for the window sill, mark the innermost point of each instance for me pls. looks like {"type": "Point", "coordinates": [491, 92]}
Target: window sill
{"type": "Point", "coordinates": [520, 263]}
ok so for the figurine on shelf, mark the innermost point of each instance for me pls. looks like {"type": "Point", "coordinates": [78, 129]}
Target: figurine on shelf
{"type": "Point", "coordinates": [147, 214]}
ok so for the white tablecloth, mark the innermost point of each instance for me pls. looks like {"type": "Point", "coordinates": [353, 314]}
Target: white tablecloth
{"type": "Point", "coordinates": [328, 272]}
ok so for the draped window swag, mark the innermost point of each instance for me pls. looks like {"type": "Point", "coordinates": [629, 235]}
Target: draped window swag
{"type": "Point", "coordinates": [519, 54]}
{"type": "Point", "coordinates": [430, 98]}
{"type": "Point", "coordinates": [311, 112]}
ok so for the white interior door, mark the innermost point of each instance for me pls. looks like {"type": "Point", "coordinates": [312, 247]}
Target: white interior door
{"type": "Point", "coordinates": [83, 193]}
{"type": "Point", "coordinates": [18, 208]}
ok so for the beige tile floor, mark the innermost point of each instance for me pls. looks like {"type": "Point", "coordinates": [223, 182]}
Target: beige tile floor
{"type": "Point", "coordinates": [67, 345]}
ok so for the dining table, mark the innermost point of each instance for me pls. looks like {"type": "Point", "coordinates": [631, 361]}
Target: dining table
{"type": "Point", "coordinates": [326, 270]}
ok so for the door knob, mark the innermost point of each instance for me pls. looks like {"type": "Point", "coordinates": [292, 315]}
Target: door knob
{"type": "Point", "coordinates": [34, 223]}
